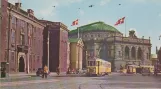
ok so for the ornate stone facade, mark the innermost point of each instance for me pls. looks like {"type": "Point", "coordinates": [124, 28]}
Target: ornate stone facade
{"type": "Point", "coordinates": [114, 47]}
{"type": "Point", "coordinates": [24, 40]}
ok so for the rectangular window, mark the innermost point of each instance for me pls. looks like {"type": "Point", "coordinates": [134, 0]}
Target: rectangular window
{"type": "Point", "coordinates": [119, 53]}
{"type": "Point", "coordinates": [12, 36]}
{"type": "Point", "coordinates": [147, 55]}
{"type": "Point", "coordinates": [13, 21]}
{"type": "Point", "coordinates": [29, 39]}
{"type": "Point", "coordinates": [12, 56]}
{"type": "Point", "coordinates": [22, 38]}
{"type": "Point", "coordinates": [6, 55]}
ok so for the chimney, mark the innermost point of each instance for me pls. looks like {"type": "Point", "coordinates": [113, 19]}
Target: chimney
{"type": "Point", "coordinates": [18, 5]}
{"type": "Point", "coordinates": [30, 11]}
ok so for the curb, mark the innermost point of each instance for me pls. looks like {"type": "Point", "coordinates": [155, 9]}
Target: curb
{"type": "Point", "coordinates": [16, 77]}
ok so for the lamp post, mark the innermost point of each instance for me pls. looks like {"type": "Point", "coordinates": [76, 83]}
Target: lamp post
{"type": "Point", "coordinates": [48, 47]}
{"type": "Point", "coordinates": [143, 59]}
{"type": "Point", "coordinates": [0, 32]}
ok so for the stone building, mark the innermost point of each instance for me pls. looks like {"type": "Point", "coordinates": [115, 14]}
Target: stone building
{"type": "Point", "coordinates": [55, 45]}
{"type": "Point", "coordinates": [76, 53]}
{"type": "Point", "coordinates": [106, 42]}
{"type": "Point", "coordinates": [24, 40]}
{"type": "Point", "coordinates": [3, 32]}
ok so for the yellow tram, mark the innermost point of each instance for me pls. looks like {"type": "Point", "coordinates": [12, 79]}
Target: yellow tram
{"type": "Point", "coordinates": [98, 67]}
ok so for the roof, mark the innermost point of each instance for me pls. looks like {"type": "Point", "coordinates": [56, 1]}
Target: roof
{"type": "Point", "coordinates": [95, 26]}
{"type": "Point", "coordinates": [73, 39]}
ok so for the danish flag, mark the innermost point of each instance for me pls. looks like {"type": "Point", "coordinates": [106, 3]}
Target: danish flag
{"type": "Point", "coordinates": [120, 21]}
{"type": "Point", "coordinates": [75, 23]}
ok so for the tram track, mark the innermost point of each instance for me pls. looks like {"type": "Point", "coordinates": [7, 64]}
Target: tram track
{"type": "Point", "coordinates": [99, 85]}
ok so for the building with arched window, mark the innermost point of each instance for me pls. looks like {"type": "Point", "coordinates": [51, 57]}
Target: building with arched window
{"type": "Point", "coordinates": [106, 42]}
{"type": "Point", "coordinates": [22, 39]}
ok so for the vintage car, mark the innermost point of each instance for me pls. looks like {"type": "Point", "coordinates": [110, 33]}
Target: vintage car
{"type": "Point", "coordinates": [39, 72]}
{"type": "Point", "coordinates": [146, 71]}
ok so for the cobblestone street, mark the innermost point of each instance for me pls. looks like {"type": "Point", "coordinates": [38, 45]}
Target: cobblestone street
{"type": "Point", "coordinates": [114, 81]}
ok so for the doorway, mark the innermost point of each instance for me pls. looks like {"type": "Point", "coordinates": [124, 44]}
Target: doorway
{"type": "Point", "coordinates": [21, 65]}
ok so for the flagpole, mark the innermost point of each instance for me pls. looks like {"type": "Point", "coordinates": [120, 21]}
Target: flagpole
{"type": "Point", "coordinates": [125, 27]}
{"type": "Point", "coordinates": [78, 31]}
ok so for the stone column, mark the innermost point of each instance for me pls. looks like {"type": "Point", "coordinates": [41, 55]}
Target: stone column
{"type": "Point", "coordinates": [129, 53]}
{"type": "Point", "coordinates": [136, 54]}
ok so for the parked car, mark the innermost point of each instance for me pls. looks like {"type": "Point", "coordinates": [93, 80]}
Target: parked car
{"type": "Point", "coordinates": [84, 71]}
{"type": "Point", "coordinates": [146, 71]}
{"type": "Point", "coordinates": [39, 72]}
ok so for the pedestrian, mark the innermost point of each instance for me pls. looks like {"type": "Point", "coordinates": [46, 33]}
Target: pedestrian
{"type": "Point", "coordinates": [45, 72]}
{"type": "Point", "coordinates": [58, 70]}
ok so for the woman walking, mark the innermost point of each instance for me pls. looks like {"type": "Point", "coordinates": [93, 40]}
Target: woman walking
{"type": "Point", "coordinates": [45, 72]}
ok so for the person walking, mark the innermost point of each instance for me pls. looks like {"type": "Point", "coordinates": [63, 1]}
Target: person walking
{"type": "Point", "coordinates": [45, 72]}
{"type": "Point", "coordinates": [58, 70]}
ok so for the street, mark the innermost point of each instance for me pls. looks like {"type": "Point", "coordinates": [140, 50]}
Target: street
{"type": "Point", "coordinates": [113, 81]}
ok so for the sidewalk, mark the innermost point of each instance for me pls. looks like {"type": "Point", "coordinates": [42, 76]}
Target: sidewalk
{"type": "Point", "coordinates": [18, 75]}
{"type": "Point", "coordinates": [25, 75]}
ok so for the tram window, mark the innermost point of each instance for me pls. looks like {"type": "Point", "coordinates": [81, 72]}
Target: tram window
{"type": "Point", "coordinates": [96, 63]}
{"type": "Point", "coordinates": [100, 63]}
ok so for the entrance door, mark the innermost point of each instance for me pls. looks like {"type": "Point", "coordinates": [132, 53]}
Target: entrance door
{"type": "Point", "coordinates": [21, 64]}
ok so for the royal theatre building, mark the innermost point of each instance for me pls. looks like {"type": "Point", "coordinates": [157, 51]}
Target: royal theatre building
{"type": "Point", "coordinates": [106, 42]}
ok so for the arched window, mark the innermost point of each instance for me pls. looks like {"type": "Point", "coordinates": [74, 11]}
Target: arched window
{"type": "Point", "coordinates": [133, 53]}
{"type": "Point", "coordinates": [139, 53]}
{"type": "Point", "coordinates": [126, 52]}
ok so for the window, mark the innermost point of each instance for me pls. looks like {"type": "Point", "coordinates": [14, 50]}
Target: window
{"type": "Point", "coordinates": [12, 36]}
{"type": "Point", "coordinates": [6, 55]}
{"type": "Point", "coordinates": [22, 39]}
{"type": "Point", "coordinates": [38, 58]}
{"type": "Point", "coordinates": [13, 21]}
{"type": "Point", "coordinates": [147, 55]}
{"type": "Point", "coordinates": [99, 35]}
{"type": "Point", "coordinates": [119, 53]}
{"type": "Point", "coordinates": [22, 24]}
{"type": "Point", "coordinates": [12, 56]}
{"type": "Point", "coordinates": [29, 41]}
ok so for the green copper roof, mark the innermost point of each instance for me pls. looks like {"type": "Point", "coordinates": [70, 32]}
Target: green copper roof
{"type": "Point", "coordinates": [94, 26]}
{"type": "Point", "coordinates": [73, 39]}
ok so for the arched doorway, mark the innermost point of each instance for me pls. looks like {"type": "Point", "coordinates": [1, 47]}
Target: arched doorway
{"type": "Point", "coordinates": [21, 64]}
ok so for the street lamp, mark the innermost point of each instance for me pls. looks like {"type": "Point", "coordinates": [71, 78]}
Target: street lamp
{"type": "Point", "coordinates": [48, 47]}
{"type": "Point", "coordinates": [143, 59]}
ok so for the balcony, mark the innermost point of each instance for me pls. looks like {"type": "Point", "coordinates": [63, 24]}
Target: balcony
{"type": "Point", "coordinates": [22, 48]}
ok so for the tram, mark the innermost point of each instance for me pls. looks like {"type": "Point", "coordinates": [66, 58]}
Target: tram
{"type": "Point", "coordinates": [98, 67]}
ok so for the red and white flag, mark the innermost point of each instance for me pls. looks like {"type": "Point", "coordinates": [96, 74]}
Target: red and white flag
{"type": "Point", "coordinates": [75, 23]}
{"type": "Point", "coordinates": [120, 21]}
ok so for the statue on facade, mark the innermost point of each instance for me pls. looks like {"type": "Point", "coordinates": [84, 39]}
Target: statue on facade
{"type": "Point", "coordinates": [132, 34]}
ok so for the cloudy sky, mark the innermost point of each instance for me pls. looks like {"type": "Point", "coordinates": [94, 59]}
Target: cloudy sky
{"type": "Point", "coordinates": [144, 16]}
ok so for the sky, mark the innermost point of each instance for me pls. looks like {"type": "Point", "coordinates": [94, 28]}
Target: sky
{"type": "Point", "coordinates": [143, 16]}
